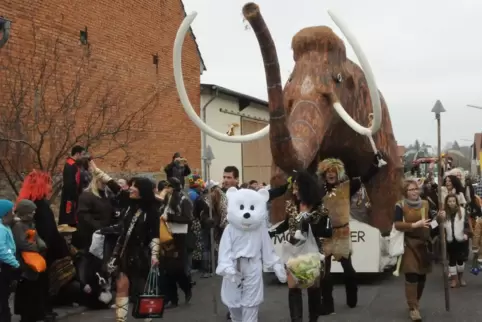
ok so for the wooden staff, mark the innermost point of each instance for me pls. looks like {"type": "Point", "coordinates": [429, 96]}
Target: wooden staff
{"type": "Point", "coordinates": [438, 108]}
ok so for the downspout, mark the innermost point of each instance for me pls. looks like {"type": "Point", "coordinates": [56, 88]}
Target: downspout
{"type": "Point", "coordinates": [204, 136]}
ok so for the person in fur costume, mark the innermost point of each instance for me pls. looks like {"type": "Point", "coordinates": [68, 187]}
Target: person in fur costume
{"type": "Point", "coordinates": [336, 195]}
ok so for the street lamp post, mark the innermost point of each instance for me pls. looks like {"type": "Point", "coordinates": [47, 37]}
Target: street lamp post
{"type": "Point", "coordinates": [5, 25]}
{"type": "Point", "coordinates": [438, 109]}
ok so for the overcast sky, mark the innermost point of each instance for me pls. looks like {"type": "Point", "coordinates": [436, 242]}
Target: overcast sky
{"type": "Point", "coordinates": [420, 51]}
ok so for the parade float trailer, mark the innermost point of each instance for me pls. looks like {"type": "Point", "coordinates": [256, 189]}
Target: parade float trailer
{"type": "Point", "coordinates": [313, 118]}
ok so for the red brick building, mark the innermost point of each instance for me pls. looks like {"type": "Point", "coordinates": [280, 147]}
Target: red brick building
{"type": "Point", "coordinates": [132, 38]}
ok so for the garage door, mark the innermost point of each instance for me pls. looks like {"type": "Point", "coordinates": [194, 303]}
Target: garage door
{"type": "Point", "coordinates": [256, 154]}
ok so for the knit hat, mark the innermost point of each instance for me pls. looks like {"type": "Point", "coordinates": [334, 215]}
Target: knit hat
{"type": "Point", "coordinates": [25, 208]}
{"type": "Point", "coordinates": [5, 207]}
{"type": "Point", "coordinates": [195, 181]}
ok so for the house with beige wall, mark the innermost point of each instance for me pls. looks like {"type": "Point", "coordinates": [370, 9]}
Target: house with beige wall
{"type": "Point", "coordinates": [226, 110]}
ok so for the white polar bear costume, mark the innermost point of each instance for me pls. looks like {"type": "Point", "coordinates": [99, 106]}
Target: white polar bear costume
{"type": "Point", "coordinates": [244, 248]}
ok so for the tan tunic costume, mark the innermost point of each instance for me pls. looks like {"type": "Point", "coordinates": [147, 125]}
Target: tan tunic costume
{"type": "Point", "coordinates": [337, 202]}
{"type": "Point", "coordinates": [416, 258]}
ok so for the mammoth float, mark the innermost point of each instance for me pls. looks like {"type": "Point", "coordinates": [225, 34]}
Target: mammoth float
{"type": "Point", "coordinates": [318, 112]}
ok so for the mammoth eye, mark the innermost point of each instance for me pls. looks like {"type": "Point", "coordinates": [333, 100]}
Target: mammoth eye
{"type": "Point", "coordinates": [338, 78]}
{"type": "Point", "coordinates": [241, 207]}
{"type": "Point", "coordinates": [252, 208]}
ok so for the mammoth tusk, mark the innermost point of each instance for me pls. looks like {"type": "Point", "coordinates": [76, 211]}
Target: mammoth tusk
{"type": "Point", "coordinates": [186, 104]}
{"type": "Point", "coordinates": [372, 85]}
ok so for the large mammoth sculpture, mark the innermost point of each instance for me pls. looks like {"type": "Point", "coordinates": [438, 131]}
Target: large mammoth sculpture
{"type": "Point", "coordinates": [308, 121]}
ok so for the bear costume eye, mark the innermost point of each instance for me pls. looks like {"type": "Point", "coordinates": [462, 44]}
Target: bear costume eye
{"type": "Point", "coordinates": [252, 208]}
{"type": "Point", "coordinates": [241, 207]}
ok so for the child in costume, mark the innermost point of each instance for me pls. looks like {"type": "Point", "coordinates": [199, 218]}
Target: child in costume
{"type": "Point", "coordinates": [457, 234]}
{"type": "Point", "coordinates": [337, 193]}
{"type": "Point", "coordinates": [244, 248]}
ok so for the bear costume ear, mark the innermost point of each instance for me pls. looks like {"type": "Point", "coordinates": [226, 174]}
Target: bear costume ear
{"type": "Point", "coordinates": [264, 194]}
{"type": "Point", "coordinates": [231, 190]}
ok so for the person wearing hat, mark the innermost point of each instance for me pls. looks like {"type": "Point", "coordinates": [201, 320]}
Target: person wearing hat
{"type": "Point", "coordinates": [30, 300]}
{"type": "Point", "coordinates": [338, 189]}
{"type": "Point", "coordinates": [8, 261]}
{"type": "Point", "coordinates": [178, 168]}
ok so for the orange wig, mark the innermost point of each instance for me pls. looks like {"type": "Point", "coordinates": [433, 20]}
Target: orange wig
{"type": "Point", "coordinates": [36, 185]}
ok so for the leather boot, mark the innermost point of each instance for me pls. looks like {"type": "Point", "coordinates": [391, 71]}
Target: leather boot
{"type": "Point", "coordinates": [314, 303]}
{"type": "Point", "coordinates": [411, 295]}
{"type": "Point", "coordinates": [295, 302]}
{"type": "Point", "coordinates": [351, 289]}
{"type": "Point", "coordinates": [121, 308]}
{"type": "Point", "coordinates": [327, 302]}
{"type": "Point", "coordinates": [420, 288]}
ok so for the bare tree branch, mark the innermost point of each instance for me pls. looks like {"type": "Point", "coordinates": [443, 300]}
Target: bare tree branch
{"type": "Point", "coordinates": [53, 102]}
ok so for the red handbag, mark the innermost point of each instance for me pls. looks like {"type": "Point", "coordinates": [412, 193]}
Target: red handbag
{"type": "Point", "coordinates": [150, 305]}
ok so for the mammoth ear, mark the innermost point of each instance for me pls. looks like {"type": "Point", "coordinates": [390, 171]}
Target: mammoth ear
{"type": "Point", "coordinates": [349, 82]}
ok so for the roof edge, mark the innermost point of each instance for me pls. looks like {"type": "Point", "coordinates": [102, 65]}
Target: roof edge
{"type": "Point", "coordinates": [232, 93]}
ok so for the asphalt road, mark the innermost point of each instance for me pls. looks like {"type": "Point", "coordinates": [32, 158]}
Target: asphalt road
{"type": "Point", "coordinates": [380, 299]}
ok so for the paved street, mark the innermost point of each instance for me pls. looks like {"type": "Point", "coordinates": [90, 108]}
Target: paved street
{"type": "Point", "coordinates": [380, 299]}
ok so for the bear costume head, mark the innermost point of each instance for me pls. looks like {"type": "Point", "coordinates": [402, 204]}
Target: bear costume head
{"type": "Point", "coordinates": [247, 209]}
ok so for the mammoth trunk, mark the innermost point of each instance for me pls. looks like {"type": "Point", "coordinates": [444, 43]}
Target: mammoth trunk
{"type": "Point", "coordinates": [284, 152]}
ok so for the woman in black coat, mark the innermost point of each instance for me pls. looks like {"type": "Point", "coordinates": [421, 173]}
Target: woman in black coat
{"type": "Point", "coordinates": [137, 249]}
{"type": "Point", "coordinates": [177, 209]}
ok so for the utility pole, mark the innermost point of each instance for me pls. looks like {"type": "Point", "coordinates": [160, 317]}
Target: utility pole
{"type": "Point", "coordinates": [438, 109]}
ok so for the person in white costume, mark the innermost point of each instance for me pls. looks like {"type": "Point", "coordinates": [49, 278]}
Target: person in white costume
{"type": "Point", "coordinates": [244, 248]}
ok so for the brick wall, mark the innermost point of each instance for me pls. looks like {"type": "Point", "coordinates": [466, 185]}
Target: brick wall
{"type": "Point", "coordinates": [122, 36]}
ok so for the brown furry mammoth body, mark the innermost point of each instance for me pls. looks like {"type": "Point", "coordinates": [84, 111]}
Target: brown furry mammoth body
{"type": "Point", "coordinates": [304, 126]}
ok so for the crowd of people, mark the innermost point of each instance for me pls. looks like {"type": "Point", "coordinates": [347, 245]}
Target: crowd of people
{"type": "Point", "coordinates": [108, 236]}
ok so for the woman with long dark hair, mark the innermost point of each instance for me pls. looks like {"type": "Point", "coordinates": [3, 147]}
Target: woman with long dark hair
{"type": "Point", "coordinates": [453, 185]}
{"type": "Point", "coordinates": [306, 203]}
{"type": "Point", "coordinates": [137, 248]}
